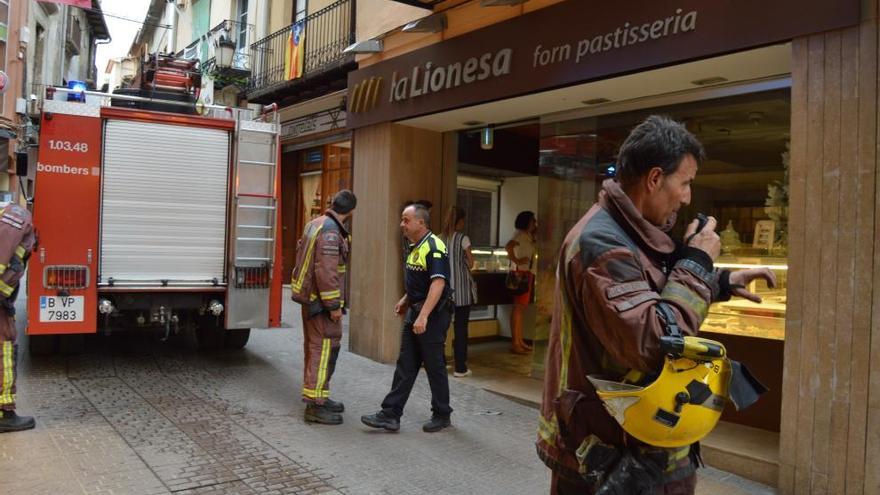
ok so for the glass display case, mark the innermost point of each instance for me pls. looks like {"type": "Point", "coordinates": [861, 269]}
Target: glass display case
{"type": "Point", "coordinates": [741, 317]}
{"type": "Point", "coordinates": [490, 259]}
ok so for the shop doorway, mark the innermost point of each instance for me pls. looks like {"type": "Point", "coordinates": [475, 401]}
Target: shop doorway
{"type": "Point", "coordinates": [310, 177]}
{"type": "Point", "coordinates": [497, 178]}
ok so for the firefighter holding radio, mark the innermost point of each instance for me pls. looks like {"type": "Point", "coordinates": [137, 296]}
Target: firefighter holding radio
{"type": "Point", "coordinates": [629, 389]}
{"type": "Point", "coordinates": [17, 240]}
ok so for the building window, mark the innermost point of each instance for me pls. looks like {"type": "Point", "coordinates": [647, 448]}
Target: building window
{"type": "Point", "coordinates": [242, 24]}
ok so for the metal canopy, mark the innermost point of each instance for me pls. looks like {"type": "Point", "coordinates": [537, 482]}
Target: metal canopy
{"type": "Point", "coordinates": [422, 4]}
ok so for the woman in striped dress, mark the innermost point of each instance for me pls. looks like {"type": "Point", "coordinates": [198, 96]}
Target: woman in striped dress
{"type": "Point", "coordinates": [461, 261]}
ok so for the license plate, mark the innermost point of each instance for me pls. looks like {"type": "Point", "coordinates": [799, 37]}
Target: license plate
{"type": "Point", "coordinates": [60, 309]}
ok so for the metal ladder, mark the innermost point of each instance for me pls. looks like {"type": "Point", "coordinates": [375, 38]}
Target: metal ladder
{"type": "Point", "coordinates": [256, 202]}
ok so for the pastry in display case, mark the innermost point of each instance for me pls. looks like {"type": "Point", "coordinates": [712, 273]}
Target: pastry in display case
{"type": "Point", "coordinates": [742, 317]}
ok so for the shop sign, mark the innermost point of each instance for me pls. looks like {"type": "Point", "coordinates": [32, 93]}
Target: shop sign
{"type": "Point", "coordinates": [315, 123]}
{"type": "Point", "coordinates": [574, 42]}
{"type": "Point", "coordinates": [315, 156]}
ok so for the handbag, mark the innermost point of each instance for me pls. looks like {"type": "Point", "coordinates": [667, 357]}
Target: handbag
{"type": "Point", "coordinates": [517, 283]}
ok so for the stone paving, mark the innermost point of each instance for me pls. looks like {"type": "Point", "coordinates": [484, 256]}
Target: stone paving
{"type": "Point", "coordinates": [133, 415]}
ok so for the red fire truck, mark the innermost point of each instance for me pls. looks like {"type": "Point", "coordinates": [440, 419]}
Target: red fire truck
{"type": "Point", "coordinates": [154, 219]}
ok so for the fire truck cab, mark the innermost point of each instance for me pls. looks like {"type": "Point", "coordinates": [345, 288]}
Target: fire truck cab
{"type": "Point", "coordinates": [154, 219]}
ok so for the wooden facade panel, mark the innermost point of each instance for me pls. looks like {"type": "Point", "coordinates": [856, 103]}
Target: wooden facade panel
{"type": "Point", "coordinates": [372, 152]}
{"type": "Point", "coordinates": [849, 127]}
{"type": "Point", "coordinates": [809, 363]}
{"type": "Point", "coordinates": [864, 254]}
{"type": "Point", "coordinates": [796, 278]}
{"type": "Point", "coordinates": [831, 383]}
{"type": "Point", "coordinates": [828, 244]}
{"type": "Point", "coordinates": [394, 164]}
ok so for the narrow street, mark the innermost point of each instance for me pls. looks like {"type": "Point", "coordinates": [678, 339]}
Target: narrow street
{"type": "Point", "coordinates": [134, 415]}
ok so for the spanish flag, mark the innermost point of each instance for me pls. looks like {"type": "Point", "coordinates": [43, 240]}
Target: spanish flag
{"type": "Point", "coordinates": [294, 52]}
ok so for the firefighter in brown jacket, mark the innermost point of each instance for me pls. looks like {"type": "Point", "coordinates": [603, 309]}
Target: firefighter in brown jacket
{"type": "Point", "coordinates": [319, 284]}
{"type": "Point", "coordinates": [619, 276]}
{"type": "Point", "coordinates": [17, 240]}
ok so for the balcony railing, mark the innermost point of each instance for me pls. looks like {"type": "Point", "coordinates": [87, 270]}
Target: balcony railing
{"type": "Point", "coordinates": [304, 49]}
{"type": "Point", "coordinates": [207, 46]}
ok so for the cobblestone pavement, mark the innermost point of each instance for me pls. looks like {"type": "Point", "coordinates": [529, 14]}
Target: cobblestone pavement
{"type": "Point", "coordinates": [133, 415]}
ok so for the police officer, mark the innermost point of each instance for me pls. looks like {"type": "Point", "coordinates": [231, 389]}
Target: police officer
{"type": "Point", "coordinates": [319, 284]}
{"type": "Point", "coordinates": [17, 240]}
{"type": "Point", "coordinates": [427, 311]}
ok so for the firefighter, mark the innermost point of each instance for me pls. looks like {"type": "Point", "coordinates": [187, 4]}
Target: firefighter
{"type": "Point", "coordinates": [623, 285]}
{"type": "Point", "coordinates": [426, 308]}
{"type": "Point", "coordinates": [17, 240]}
{"type": "Point", "coordinates": [318, 283]}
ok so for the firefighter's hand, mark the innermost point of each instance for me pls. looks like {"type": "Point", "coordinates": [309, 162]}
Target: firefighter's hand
{"type": "Point", "coordinates": [706, 240]}
{"type": "Point", "coordinates": [420, 325]}
{"type": "Point", "coordinates": [336, 315]}
{"type": "Point", "coordinates": [740, 279]}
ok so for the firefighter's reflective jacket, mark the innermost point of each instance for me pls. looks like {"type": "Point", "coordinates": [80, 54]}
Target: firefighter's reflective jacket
{"type": "Point", "coordinates": [319, 277]}
{"type": "Point", "coordinates": [17, 239]}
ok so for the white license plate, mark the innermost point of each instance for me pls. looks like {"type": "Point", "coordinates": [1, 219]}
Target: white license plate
{"type": "Point", "coordinates": [59, 309]}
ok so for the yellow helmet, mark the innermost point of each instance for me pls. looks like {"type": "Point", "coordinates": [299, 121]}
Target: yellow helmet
{"type": "Point", "coordinates": [682, 405]}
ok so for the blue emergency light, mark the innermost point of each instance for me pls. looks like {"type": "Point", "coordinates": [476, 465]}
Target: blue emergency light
{"type": "Point", "coordinates": [78, 94]}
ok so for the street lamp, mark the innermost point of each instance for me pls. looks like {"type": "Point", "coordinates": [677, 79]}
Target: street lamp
{"type": "Point", "coordinates": [225, 52]}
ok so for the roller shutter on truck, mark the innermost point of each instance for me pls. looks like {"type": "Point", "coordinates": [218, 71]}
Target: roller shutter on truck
{"type": "Point", "coordinates": [163, 203]}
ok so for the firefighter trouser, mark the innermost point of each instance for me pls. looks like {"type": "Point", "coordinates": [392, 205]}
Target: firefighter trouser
{"type": "Point", "coordinates": [8, 372]}
{"type": "Point", "coordinates": [321, 340]}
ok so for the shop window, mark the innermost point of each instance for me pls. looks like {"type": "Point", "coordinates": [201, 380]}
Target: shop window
{"type": "Point", "coordinates": [479, 205]}
{"type": "Point", "coordinates": [743, 183]}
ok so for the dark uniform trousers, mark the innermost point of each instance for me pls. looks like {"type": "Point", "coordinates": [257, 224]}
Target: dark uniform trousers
{"type": "Point", "coordinates": [417, 350]}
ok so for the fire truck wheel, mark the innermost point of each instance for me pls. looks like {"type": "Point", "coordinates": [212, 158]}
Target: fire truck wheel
{"type": "Point", "coordinates": [237, 338]}
{"type": "Point", "coordinates": [42, 345]}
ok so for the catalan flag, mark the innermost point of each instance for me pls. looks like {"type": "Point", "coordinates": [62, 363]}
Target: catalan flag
{"type": "Point", "coordinates": [294, 52]}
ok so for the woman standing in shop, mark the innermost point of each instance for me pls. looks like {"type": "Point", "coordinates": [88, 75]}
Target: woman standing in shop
{"type": "Point", "coordinates": [521, 253]}
{"type": "Point", "coordinates": [461, 261]}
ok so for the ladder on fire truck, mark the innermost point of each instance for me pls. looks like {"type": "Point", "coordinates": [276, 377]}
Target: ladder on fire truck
{"type": "Point", "coordinates": [254, 220]}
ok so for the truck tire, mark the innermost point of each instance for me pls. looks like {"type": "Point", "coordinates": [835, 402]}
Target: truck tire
{"type": "Point", "coordinates": [237, 338]}
{"type": "Point", "coordinates": [42, 345]}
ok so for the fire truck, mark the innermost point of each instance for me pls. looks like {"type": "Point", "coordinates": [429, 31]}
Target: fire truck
{"type": "Point", "coordinates": [154, 219]}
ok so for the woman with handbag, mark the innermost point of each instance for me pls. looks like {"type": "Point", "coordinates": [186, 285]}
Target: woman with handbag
{"type": "Point", "coordinates": [461, 262]}
{"type": "Point", "coordinates": [520, 278]}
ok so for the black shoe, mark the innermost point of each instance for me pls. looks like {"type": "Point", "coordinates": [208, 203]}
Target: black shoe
{"type": "Point", "coordinates": [322, 415]}
{"type": "Point", "coordinates": [9, 421]}
{"type": "Point", "coordinates": [437, 423]}
{"type": "Point", "coordinates": [381, 420]}
{"type": "Point", "coordinates": [333, 406]}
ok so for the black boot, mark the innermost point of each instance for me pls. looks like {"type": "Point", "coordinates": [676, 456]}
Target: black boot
{"type": "Point", "coordinates": [381, 420]}
{"type": "Point", "coordinates": [333, 406]}
{"type": "Point", "coordinates": [320, 414]}
{"type": "Point", "coordinates": [437, 423]}
{"type": "Point", "coordinates": [9, 421]}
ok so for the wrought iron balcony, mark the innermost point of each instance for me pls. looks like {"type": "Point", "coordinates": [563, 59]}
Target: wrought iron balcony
{"type": "Point", "coordinates": [223, 51]}
{"type": "Point", "coordinates": [303, 52]}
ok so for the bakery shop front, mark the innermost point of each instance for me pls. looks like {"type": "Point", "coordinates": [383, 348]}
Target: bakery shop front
{"type": "Point", "coordinates": [528, 114]}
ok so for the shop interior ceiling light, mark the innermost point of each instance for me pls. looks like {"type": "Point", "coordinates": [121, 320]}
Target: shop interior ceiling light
{"type": "Point", "coordinates": [366, 46]}
{"type": "Point", "coordinates": [487, 138]}
{"type": "Point", "coordinates": [431, 24]}
{"type": "Point", "coordinates": [500, 3]}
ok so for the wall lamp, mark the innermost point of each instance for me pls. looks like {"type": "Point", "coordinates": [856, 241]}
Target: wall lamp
{"type": "Point", "coordinates": [366, 46]}
{"type": "Point", "coordinates": [430, 24]}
